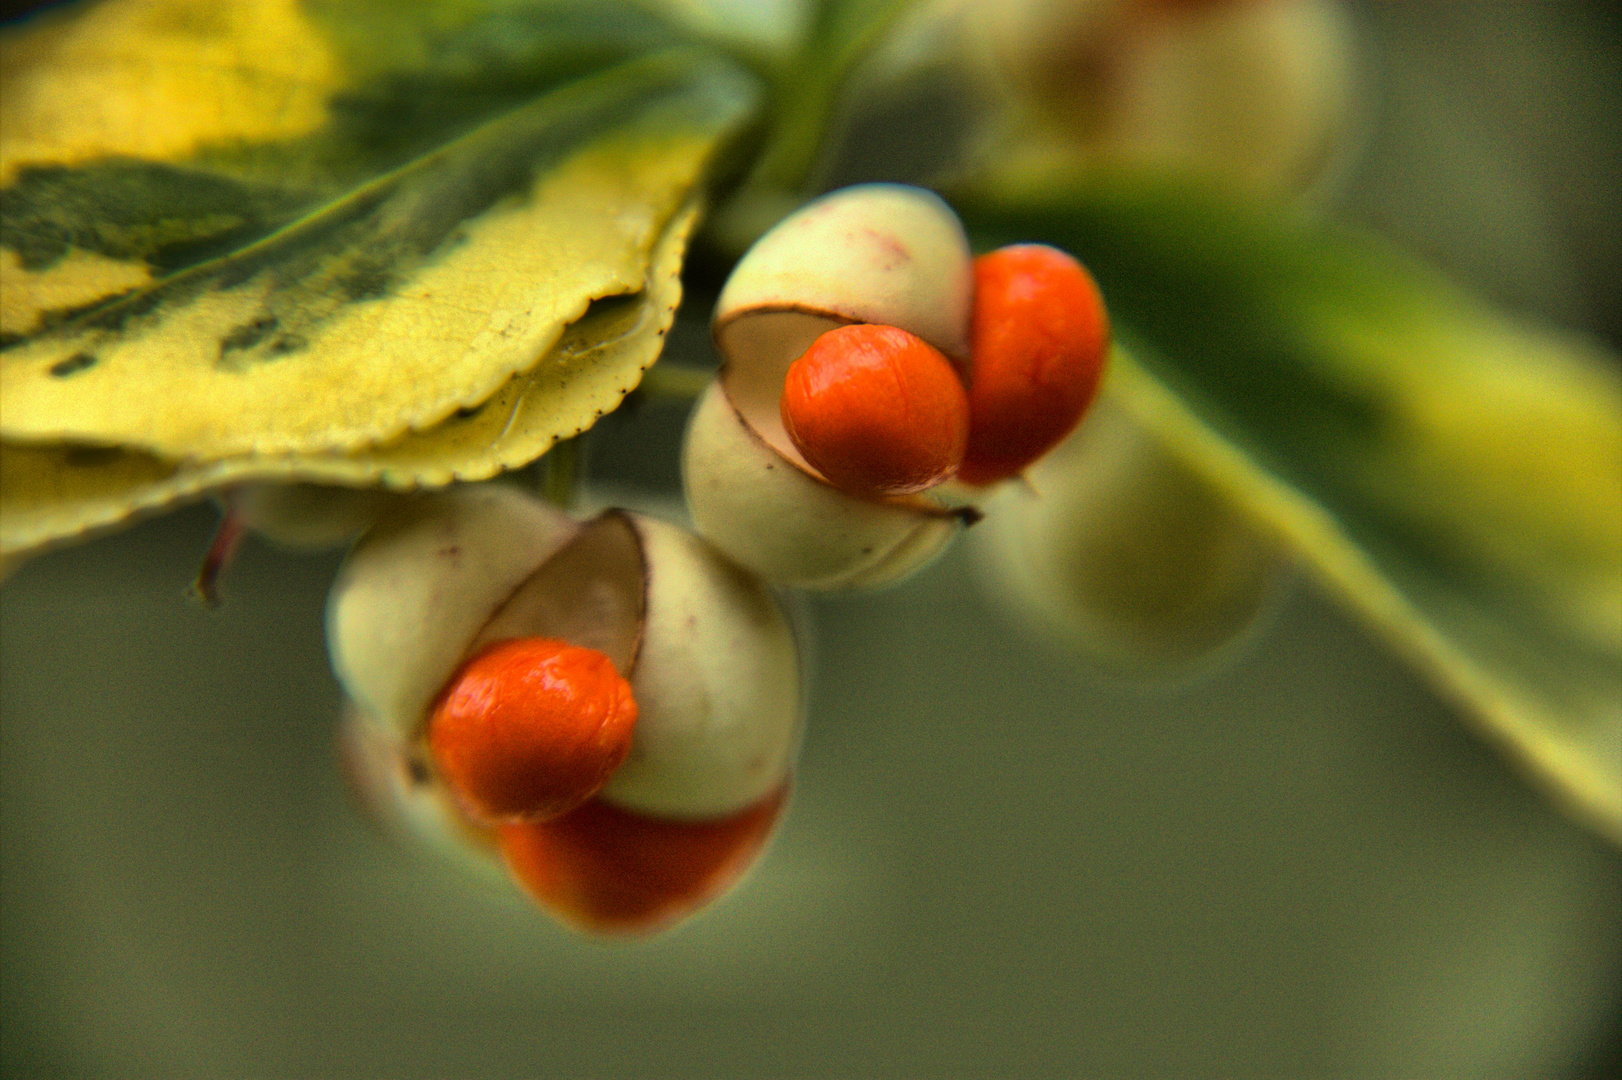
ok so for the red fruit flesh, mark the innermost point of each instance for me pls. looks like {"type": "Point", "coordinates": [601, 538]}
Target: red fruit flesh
{"type": "Point", "coordinates": [612, 871]}
{"type": "Point", "coordinates": [1039, 336]}
{"type": "Point", "coordinates": [876, 411]}
{"type": "Point", "coordinates": [531, 728]}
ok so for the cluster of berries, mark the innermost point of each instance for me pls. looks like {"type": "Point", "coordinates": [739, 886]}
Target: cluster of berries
{"type": "Point", "coordinates": [609, 705]}
{"type": "Point", "coordinates": [614, 705]}
{"type": "Point", "coordinates": [878, 411]}
{"type": "Point", "coordinates": [877, 380]}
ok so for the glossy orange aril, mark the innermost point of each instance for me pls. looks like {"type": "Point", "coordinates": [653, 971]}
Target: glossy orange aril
{"type": "Point", "coordinates": [531, 728]}
{"type": "Point", "coordinates": [1039, 337]}
{"type": "Point", "coordinates": [876, 411]}
{"type": "Point", "coordinates": [613, 871]}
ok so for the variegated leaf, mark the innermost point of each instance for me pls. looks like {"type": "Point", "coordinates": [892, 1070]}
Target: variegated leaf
{"type": "Point", "coordinates": [406, 219]}
{"type": "Point", "coordinates": [1456, 475]}
{"type": "Point", "coordinates": [55, 493]}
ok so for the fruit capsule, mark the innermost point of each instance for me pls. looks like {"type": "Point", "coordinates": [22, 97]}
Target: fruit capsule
{"type": "Point", "coordinates": [452, 607]}
{"type": "Point", "coordinates": [876, 410]}
{"type": "Point", "coordinates": [531, 728]}
{"type": "Point", "coordinates": [1040, 335]}
{"type": "Point", "coordinates": [1259, 92]}
{"type": "Point", "coordinates": [876, 254]}
{"type": "Point", "coordinates": [1121, 549]}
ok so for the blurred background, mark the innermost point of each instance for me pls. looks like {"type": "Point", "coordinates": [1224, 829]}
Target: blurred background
{"type": "Point", "coordinates": [997, 863]}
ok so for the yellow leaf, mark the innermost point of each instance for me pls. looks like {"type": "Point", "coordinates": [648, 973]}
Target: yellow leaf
{"type": "Point", "coordinates": [154, 81]}
{"type": "Point", "coordinates": [159, 80]}
{"type": "Point", "coordinates": [80, 279]}
{"type": "Point", "coordinates": [419, 294]}
{"type": "Point", "coordinates": [589, 371]}
{"type": "Point", "coordinates": [52, 494]}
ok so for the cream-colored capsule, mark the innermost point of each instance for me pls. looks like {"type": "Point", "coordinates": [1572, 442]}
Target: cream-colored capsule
{"type": "Point", "coordinates": [422, 583]}
{"type": "Point", "coordinates": [1119, 548]}
{"type": "Point", "coordinates": [876, 253]}
{"type": "Point", "coordinates": [718, 681]}
{"type": "Point", "coordinates": [1263, 92]}
{"type": "Point", "coordinates": [710, 656]}
{"type": "Point", "coordinates": [787, 524]}
{"type": "Point", "coordinates": [873, 253]}
{"type": "Point", "coordinates": [391, 778]}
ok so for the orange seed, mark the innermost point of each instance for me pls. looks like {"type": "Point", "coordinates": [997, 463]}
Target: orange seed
{"type": "Point", "coordinates": [1039, 337]}
{"type": "Point", "coordinates": [530, 728]}
{"type": "Point", "coordinates": [876, 411]}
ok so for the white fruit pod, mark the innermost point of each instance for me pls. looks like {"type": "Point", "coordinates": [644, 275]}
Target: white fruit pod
{"type": "Point", "coordinates": [420, 585]}
{"type": "Point", "coordinates": [717, 680]}
{"type": "Point", "coordinates": [1119, 548]}
{"type": "Point", "coordinates": [391, 779]}
{"type": "Point", "coordinates": [710, 657]}
{"type": "Point", "coordinates": [1263, 92]}
{"type": "Point", "coordinates": [875, 253]}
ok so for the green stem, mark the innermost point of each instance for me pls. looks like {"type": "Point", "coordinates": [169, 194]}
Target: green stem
{"type": "Point", "coordinates": [806, 95]}
{"type": "Point", "coordinates": [564, 466]}
{"type": "Point", "coordinates": [680, 383]}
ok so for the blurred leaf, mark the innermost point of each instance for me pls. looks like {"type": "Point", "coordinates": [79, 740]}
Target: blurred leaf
{"type": "Point", "coordinates": [55, 493]}
{"type": "Point", "coordinates": [1454, 474]}
{"type": "Point", "coordinates": [284, 230]}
